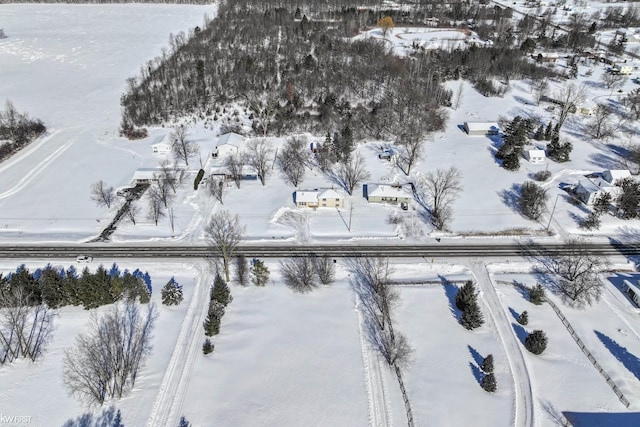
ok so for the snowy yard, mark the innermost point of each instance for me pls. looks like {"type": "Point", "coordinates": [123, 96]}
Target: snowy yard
{"type": "Point", "coordinates": [22, 381]}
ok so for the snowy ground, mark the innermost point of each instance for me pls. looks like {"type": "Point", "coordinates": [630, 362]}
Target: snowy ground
{"type": "Point", "coordinates": [283, 358]}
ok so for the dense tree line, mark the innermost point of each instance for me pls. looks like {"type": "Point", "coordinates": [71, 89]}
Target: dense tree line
{"type": "Point", "coordinates": [292, 71]}
{"type": "Point", "coordinates": [57, 287]}
{"type": "Point", "coordinates": [17, 130]}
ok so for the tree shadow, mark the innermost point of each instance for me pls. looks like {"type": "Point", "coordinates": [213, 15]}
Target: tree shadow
{"type": "Point", "coordinates": [604, 161]}
{"type": "Point", "coordinates": [476, 356]}
{"type": "Point", "coordinates": [603, 419]}
{"type": "Point", "coordinates": [451, 291]}
{"type": "Point", "coordinates": [511, 197]}
{"type": "Point", "coordinates": [477, 373]}
{"type": "Point", "coordinates": [522, 289]}
{"type": "Point", "coordinates": [109, 417]}
{"type": "Point", "coordinates": [521, 332]}
{"type": "Point", "coordinates": [629, 360]}
{"type": "Point", "coordinates": [514, 314]}
{"type": "Point", "coordinates": [627, 238]}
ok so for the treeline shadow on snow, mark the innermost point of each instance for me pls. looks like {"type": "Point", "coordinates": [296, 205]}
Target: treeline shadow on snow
{"type": "Point", "coordinates": [629, 360]}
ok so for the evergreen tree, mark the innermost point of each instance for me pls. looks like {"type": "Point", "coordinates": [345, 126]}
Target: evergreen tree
{"type": "Point", "coordinates": [559, 151]}
{"type": "Point", "coordinates": [536, 294]}
{"type": "Point", "coordinates": [54, 289]}
{"type": "Point", "coordinates": [591, 221]}
{"type": "Point", "coordinates": [207, 348]}
{"type": "Point", "coordinates": [489, 383]}
{"type": "Point", "coordinates": [214, 317]}
{"type": "Point", "coordinates": [472, 316]}
{"type": "Point", "coordinates": [172, 293]}
{"type": "Point", "coordinates": [536, 342]}
{"type": "Point", "coordinates": [220, 291]}
{"type": "Point", "coordinates": [539, 135]}
{"type": "Point", "coordinates": [114, 271]}
{"type": "Point", "coordinates": [147, 281]}
{"type": "Point", "coordinates": [602, 203]}
{"type": "Point", "coordinates": [548, 132]}
{"type": "Point", "coordinates": [259, 273]}
{"type": "Point", "coordinates": [629, 199]}
{"type": "Point", "coordinates": [487, 364]}
{"type": "Point", "coordinates": [523, 319]}
{"type": "Point", "coordinates": [242, 270]}
{"type": "Point", "coordinates": [465, 296]}
{"type": "Point", "coordinates": [117, 421]}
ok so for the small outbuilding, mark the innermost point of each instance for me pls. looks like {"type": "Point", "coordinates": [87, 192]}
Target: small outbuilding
{"type": "Point", "coordinates": [614, 176]}
{"type": "Point", "coordinates": [387, 193]}
{"type": "Point", "coordinates": [481, 128]}
{"type": "Point", "coordinates": [306, 198]}
{"type": "Point", "coordinates": [534, 155]}
{"type": "Point", "coordinates": [161, 148]}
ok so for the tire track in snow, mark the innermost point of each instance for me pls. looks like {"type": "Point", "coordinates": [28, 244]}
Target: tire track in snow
{"type": "Point", "coordinates": [524, 415]}
{"type": "Point", "coordinates": [168, 403]}
{"type": "Point", "coordinates": [379, 406]}
{"type": "Point", "coordinates": [37, 170]}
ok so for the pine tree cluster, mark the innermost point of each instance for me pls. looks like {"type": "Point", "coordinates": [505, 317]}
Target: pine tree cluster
{"type": "Point", "coordinates": [515, 138]}
{"type": "Point", "coordinates": [523, 319]}
{"type": "Point", "coordinates": [467, 301]}
{"type": "Point", "coordinates": [172, 293]}
{"type": "Point", "coordinates": [536, 342]}
{"type": "Point", "coordinates": [219, 298]}
{"type": "Point", "coordinates": [259, 273]}
{"type": "Point", "coordinates": [536, 294]}
{"type": "Point", "coordinates": [57, 287]}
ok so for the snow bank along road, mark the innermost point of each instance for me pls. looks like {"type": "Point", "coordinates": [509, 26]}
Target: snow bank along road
{"type": "Point", "coordinates": [522, 383]}
{"type": "Point", "coordinates": [166, 410]}
{"type": "Point", "coordinates": [280, 251]}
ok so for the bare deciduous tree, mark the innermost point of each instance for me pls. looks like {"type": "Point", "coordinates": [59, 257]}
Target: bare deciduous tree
{"type": "Point", "coordinates": [182, 147]}
{"type": "Point", "coordinates": [568, 98]}
{"type": "Point", "coordinates": [532, 200]}
{"type": "Point", "coordinates": [234, 164]}
{"type": "Point", "coordinates": [299, 274]}
{"type": "Point", "coordinates": [216, 188]}
{"type": "Point", "coordinates": [131, 212]}
{"type": "Point", "coordinates": [156, 206]}
{"type": "Point", "coordinates": [105, 362]}
{"type": "Point", "coordinates": [292, 160]}
{"type": "Point", "coordinates": [457, 99]}
{"type": "Point", "coordinates": [632, 102]}
{"type": "Point", "coordinates": [162, 189]}
{"type": "Point", "coordinates": [242, 270]}
{"type": "Point", "coordinates": [325, 268]}
{"type": "Point", "coordinates": [438, 190]}
{"type": "Point", "coordinates": [613, 80]}
{"type": "Point", "coordinates": [261, 157]}
{"type": "Point", "coordinates": [25, 329]}
{"type": "Point", "coordinates": [601, 124]}
{"type": "Point", "coordinates": [576, 273]}
{"type": "Point", "coordinates": [170, 174]}
{"type": "Point", "coordinates": [224, 233]}
{"type": "Point", "coordinates": [103, 194]}
{"type": "Point", "coordinates": [540, 89]}
{"type": "Point", "coordinates": [351, 173]}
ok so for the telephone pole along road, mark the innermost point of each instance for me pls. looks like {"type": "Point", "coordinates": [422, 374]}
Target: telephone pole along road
{"type": "Point", "coordinates": [434, 250]}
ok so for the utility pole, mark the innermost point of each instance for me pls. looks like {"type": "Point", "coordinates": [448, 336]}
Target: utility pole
{"type": "Point", "coordinates": [552, 211]}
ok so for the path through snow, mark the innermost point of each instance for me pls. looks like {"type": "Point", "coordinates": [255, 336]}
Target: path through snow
{"type": "Point", "coordinates": [522, 382]}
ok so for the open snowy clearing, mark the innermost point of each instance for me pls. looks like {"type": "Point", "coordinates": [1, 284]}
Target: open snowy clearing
{"type": "Point", "coordinates": [564, 381]}
{"type": "Point", "coordinates": [22, 381]}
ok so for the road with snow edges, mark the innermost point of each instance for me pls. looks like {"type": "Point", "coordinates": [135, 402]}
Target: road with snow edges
{"type": "Point", "coordinates": [434, 250]}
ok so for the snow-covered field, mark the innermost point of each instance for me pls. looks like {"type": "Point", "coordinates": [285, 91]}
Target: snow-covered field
{"type": "Point", "coordinates": [284, 358]}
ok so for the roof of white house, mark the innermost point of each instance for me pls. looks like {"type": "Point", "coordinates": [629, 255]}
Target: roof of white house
{"type": "Point", "coordinates": [617, 174]}
{"type": "Point", "coordinates": [307, 196]}
{"type": "Point", "coordinates": [386, 190]}
{"type": "Point", "coordinates": [231, 138]}
{"type": "Point", "coordinates": [536, 152]}
{"type": "Point", "coordinates": [329, 193]}
{"type": "Point", "coordinates": [595, 185]}
{"type": "Point", "coordinates": [481, 126]}
{"type": "Point", "coordinates": [162, 144]}
{"type": "Point", "coordinates": [145, 173]}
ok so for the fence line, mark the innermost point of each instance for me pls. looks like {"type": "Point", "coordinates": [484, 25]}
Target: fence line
{"type": "Point", "coordinates": [590, 356]}
{"type": "Point", "coordinates": [405, 397]}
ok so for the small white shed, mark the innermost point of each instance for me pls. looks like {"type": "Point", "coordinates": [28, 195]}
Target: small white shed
{"type": "Point", "coordinates": [534, 155]}
{"type": "Point", "coordinates": [481, 128]}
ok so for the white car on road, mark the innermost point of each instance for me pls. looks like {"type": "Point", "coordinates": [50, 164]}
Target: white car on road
{"type": "Point", "coordinates": [84, 258]}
